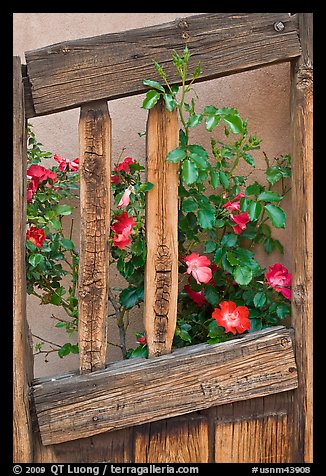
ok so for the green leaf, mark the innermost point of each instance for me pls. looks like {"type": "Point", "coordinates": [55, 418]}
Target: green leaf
{"type": "Point", "coordinates": [64, 350]}
{"type": "Point", "coordinates": [215, 179]}
{"type": "Point", "coordinates": [269, 245]}
{"type": "Point", "coordinates": [63, 210]}
{"type": "Point", "coordinates": [60, 324]}
{"type": "Point", "coordinates": [243, 275]}
{"type": "Point", "coordinates": [169, 101]}
{"type": "Point", "coordinates": [140, 351]}
{"type": "Point", "coordinates": [269, 196]}
{"type": "Point", "coordinates": [234, 123]}
{"type": "Point", "coordinates": [67, 244]}
{"type": "Point", "coordinates": [210, 246]}
{"type": "Point", "coordinates": [176, 155]}
{"type": "Point", "coordinates": [197, 71]}
{"type": "Point", "coordinates": [254, 210]}
{"type": "Point", "coordinates": [283, 310]}
{"type": "Point", "coordinates": [31, 246]}
{"type": "Point", "coordinates": [206, 218]}
{"type": "Point", "coordinates": [189, 205]}
{"type": "Point", "coordinates": [55, 299]}
{"type": "Point", "coordinates": [49, 214]}
{"type": "Point", "coordinates": [211, 295]}
{"type": "Point", "coordinates": [131, 296]}
{"type": "Point", "coordinates": [151, 99]}
{"type": "Point", "coordinates": [213, 329]}
{"type": "Point", "coordinates": [35, 260]}
{"type": "Point", "coordinates": [249, 159]}
{"type": "Point", "coordinates": [218, 255]}
{"type": "Point", "coordinates": [224, 179]}
{"type": "Point", "coordinates": [273, 174]}
{"type": "Point", "coordinates": [255, 325]}
{"type": "Point", "coordinates": [276, 215]}
{"type": "Point", "coordinates": [259, 299]}
{"type": "Point", "coordinates": [145, 187]}
{"type": "Point", "coordinates": [253, 189]}
{"type": "Point", "coordinates": [184, 335]}
{"type": "Point", "coordinates": [55, 224]}
{"type": "Point", "coordinates": [211, 122]}
{"type": "Point", "coordinates": [229, 240]}
{"type": "Point", "coordinates": [74, 349]}
{"type": "Point", "coordinates": [199, 150]}
{"type": "Point", "coordinates": [189, 171]}
{"type": "Point", "coordinates": [154, 84]}
{"type": "Point", "coordinates": [232, 259]}
{"type": "Point", "coordinates": [201, 163]}
{"type": "Point", "coordinates": [194, 119]}
{"type": "Point", "coordinates": [182, 138]}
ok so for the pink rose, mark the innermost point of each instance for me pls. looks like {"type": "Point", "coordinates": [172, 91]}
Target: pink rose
{"type": "Point", "coordinates": [198, 267]}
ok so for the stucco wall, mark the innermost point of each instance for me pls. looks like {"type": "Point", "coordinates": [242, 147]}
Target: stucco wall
{"type": "Point", "coordinates": [262, 96]}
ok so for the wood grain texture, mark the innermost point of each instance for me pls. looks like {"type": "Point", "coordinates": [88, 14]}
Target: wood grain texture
{"type": "Point", "coordinates": [134, 392]}
{"type": "Point", "coordinates": [161, 270]}
{"type": "Point", "coordinates": [22, 347]}
{"type": "Point", "coordinates": [176, 440]}
{"type": "Point", "coordinates": [112, 447]}
{"type": "Point", "coordinates": [302, 225]}
{"type": "Point", "coordinates": [95, 160]}
{"type": "Point", "coordinates": [255, 431]}
{"type": "Point", "coordinates": [71, 73]}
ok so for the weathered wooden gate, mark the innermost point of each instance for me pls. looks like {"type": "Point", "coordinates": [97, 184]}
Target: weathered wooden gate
{"type": "Point", "coordinates": [246, 400]}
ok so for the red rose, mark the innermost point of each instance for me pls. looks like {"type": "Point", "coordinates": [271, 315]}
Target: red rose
{"type": "Point", "coordinates": [197, 297]}
{"type": "Point", "coordinates": [36, 236]}
{"type": "Point", "coordinates": [142, 340]}
{"type": "Point", "coordinates": [280, 279]}
{"type": "Point", "coordinates": [241, 221]}
{"type": "Point", "coordinates": [72, 165]}
{"type": "Point", "coordinates": [125, 165]}
{"type": "Point", "coordinates": [37, 173]}
{"type": "Point", "coordinates": [123, 228]}
{"type": "Point", "coordinates": [231, 317]}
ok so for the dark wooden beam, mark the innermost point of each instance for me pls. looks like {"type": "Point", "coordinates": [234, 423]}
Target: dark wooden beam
{"type": "Point", "coordinates": [68, 74]}
{"type": "Point", "coordinates": [144, 390]}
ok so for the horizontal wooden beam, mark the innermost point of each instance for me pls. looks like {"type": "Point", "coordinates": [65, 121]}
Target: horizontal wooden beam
{"type": "Point", "coordinates": [138, 391]}
{"type": "Point", "coordinates": [66, 75]}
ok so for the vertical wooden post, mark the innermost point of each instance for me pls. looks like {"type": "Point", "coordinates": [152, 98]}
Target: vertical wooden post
{"type": "Point", "coordinates": [95, 160]}
{"type": "Point", "coordinates": [22, 348]}
{"type": "Point", "coordinates": [161, 273]}
{"type": "Point", "coordinates": [302, 187]}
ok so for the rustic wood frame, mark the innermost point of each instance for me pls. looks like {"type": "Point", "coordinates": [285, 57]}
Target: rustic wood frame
{"type": "Point", "coordinates": [258, 42]}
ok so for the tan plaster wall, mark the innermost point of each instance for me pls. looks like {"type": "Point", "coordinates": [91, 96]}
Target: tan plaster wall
{"type": "Point", "coordinates": [262, 96]}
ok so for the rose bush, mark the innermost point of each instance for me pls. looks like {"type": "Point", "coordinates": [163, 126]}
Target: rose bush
{"type": "Point", "coordinates": [223, 217]}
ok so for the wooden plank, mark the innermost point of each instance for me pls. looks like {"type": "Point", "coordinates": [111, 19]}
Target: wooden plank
{"type": "Point", "coordinates": [302, 226]}
{"type": "Point", "coordinates": [95, 160]}
{"type": "Point", "coordinates": [111, 66]}
{"type": "Point", "coordinates": [22, 348]}
{"type": "Point", "coordinates": [143, 390]}
{"type": "Point", "coordinates": [112, 447]}
{"type": "Point", "coordinates": [161, 271]}
{"type": "Point", "coordinates": [255, 431]}
{"type": "Point", "coordinates": [176, 440]}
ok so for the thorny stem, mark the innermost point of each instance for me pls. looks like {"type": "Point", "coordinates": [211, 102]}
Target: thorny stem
{"type": "Point", "coordinates": [46, 340]}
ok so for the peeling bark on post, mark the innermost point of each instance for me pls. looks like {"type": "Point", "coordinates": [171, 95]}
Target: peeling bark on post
{"type": "Point", "coordinates": [161, 273]}
{"type": "Point", "coordinates": [95, 158]}
{"type": "Point", "coordinates": [302, 187]}
{"type": "Point", "coordinates": [22, 347]}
